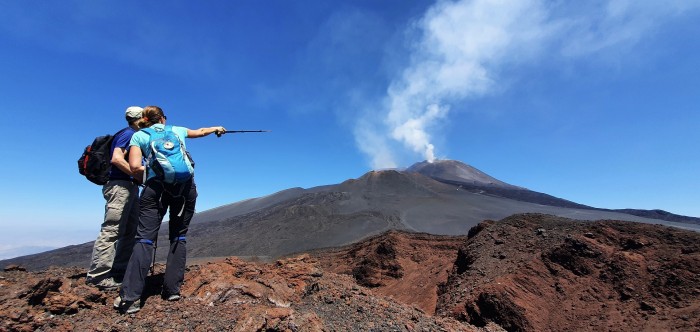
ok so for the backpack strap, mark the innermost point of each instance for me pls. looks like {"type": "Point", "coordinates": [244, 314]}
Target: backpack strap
{"type": "Point", "coordinates": [170, 128]}
{"type": "Point", "coordinates": [150, 132]}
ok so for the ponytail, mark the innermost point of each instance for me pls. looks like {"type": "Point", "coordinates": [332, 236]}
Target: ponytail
{"type": "Point", "coordinates": [151, 115]}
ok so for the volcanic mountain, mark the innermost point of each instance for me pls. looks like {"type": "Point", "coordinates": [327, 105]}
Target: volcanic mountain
{"type": "Point", "coordinates": [445, 197]}
{"type": "Point", "coordinates": [457, 172]}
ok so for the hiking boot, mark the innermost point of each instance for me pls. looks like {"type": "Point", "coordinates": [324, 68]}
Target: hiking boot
{"type": "Point", "coordinates": [93, 281]}
{"type": "Point", "coordinates": [107, 284]}
{"type": "Point", "coordinates": [117, 302]}
{"type": "Point", "coordinates": [127, 307]}
{"type": "Point", "coordinates": [173, 297]}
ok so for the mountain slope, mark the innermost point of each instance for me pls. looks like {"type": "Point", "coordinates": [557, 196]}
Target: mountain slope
{"type": "Point", "coordinates": [297, 220]}
{"type": "Point", "coordinates": [466, 177]}
{"type": "Point", "coordinates": [456, 171]}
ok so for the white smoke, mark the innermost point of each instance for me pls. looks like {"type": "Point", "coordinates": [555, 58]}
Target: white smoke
{"type": "Point", "coordinates": [459, 44]}
{"type": "Point", "coordinates": [463, 45]}
{"type": "Point", "coordinates": [373, 144]}
{"type": "Point", "coordinates": [413, 131]}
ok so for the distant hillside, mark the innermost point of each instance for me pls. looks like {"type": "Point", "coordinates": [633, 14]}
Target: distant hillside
{"type": "Point", "coordinates": [660, 215]}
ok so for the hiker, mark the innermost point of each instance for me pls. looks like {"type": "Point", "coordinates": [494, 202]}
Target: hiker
{"type": "Point", "coordinates": [115, 242]}
{"type": "Point", "coordinates": [159, 195]}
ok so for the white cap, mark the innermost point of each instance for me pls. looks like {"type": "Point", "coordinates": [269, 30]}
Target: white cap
{"type": "Point", "coordinates": [134, 113]}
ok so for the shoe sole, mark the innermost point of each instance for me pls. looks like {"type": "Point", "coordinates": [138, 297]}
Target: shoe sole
{"type": "Point", "coordinates": [133, 310]}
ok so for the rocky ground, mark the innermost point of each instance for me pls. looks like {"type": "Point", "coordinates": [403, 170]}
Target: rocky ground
{"type": "Point", "coordinates": [535, 272]}
{"type": "Point", "coordinates": [542, 273]}
{"type": "Point", "coordinates": [293, 294]}
{"type": "Point", "coordinates": [524, 273]}
{"type": "Point", "coordinates": [408, 267]}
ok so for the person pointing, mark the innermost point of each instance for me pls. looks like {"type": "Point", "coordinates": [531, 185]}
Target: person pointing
{"type": "Point", "coordinates": [168, 174]}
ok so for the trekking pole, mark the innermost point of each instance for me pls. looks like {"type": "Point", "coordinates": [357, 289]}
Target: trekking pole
{"type": "Point", "coordinates": [218, 134]}
{"type": "Point", "coordinates": [153, 263]}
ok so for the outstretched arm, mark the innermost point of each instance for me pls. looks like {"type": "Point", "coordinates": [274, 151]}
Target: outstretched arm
{"type": "Point", "coordinates": [201, 132]}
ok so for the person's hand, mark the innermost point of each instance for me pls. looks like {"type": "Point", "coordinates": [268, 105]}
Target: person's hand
{"type": "Point", "coordinates": [219, 131]}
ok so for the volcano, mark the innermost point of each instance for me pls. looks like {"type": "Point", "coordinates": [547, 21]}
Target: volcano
{"type": "Point", "coordinates": [457, 172]}
{"type": "Point", "coordinates": [445, 197]}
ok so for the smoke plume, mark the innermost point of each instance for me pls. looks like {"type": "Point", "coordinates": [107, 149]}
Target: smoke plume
{"type": "Point", "coordinates": [461, 47]}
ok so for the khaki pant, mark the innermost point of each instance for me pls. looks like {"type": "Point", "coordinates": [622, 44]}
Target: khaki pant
{"type": "Point", "coordinates": [115, 242]}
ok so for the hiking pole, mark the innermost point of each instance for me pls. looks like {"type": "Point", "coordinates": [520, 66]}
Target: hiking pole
{"type": "Point", "coordinates": [153, 263]}
{"type": "Point", "coordinates": [218, 134]}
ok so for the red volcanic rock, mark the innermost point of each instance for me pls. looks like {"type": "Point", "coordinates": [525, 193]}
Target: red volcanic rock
{"type": "Point", "coordinates": [542, 273]}
{"type": "Point", "coordinates": [292, 294]}
{"type": "Point", "coordinates": [524, 273]}
{"type": "Point", "coordinates": [408, 267]}
{"type": "Point", "coordinates": [538, 273]}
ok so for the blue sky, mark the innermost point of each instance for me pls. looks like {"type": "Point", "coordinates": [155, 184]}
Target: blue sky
{"type": "Point", "coordinates": [594, 102]}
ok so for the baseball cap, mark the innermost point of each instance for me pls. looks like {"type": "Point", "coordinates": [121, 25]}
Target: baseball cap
{"type": "Point", "coordinates": [134, 112]}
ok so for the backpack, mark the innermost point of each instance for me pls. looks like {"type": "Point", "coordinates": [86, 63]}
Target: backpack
{"type": "Point", "coordinates": [96, 160]}
{"type": "Point", "coordinates": [168, 158]}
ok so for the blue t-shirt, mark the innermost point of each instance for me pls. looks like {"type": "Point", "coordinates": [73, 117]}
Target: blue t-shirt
{"type": "Point", "coordinates": [121, 140]}
{"type": "Point", "coordinates": [141, 139]}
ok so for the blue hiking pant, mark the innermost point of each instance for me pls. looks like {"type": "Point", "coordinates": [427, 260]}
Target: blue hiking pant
{"type": "Point", "coordinates": [156, 199]}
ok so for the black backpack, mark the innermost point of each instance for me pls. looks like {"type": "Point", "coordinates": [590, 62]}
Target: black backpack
{"type": "Point", "coordinates": [96, 161]}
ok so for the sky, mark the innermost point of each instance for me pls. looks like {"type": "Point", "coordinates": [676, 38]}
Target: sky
{"type": "Point", "coordinates": [596, 102]}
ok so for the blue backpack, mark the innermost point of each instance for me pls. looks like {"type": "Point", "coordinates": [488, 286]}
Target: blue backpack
{"type": "Point", "coordinates": [168, 158]}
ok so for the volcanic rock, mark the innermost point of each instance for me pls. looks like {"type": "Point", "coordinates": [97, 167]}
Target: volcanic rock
{"type": "Point", "coordinates": [504, 275]}
{"type": "Point", "coordinates": [605, 275]}
{"type": "Point", "coordinates": [292, 294]}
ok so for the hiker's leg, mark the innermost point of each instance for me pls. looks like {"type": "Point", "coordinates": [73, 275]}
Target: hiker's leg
{"type": "Point", "coordinates": [151, 213]}
{"type": "Point", "coordinates": [103, 250]}
{"type": "Point", "coordinates": [175, 269]}
{"type": "Point", "coordinates": [127, 231]}
{"type": "Point", "coordinates": [177, 255]}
